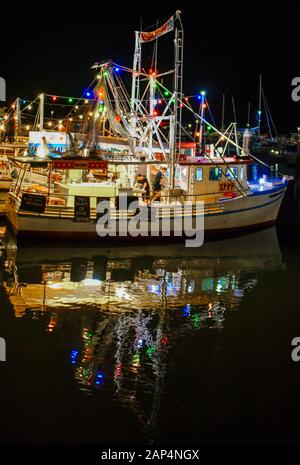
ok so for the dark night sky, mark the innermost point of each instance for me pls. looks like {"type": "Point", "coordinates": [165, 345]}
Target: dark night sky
{"type": "Point", "coordinates": [51, 48]}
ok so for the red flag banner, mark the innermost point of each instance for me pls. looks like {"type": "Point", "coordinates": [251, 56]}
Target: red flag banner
{"type": "Point", "coordinates": [164, 29]}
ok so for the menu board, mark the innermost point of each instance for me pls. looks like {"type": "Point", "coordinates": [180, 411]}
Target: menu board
{"type": "Point", "coordinates": [81, 208]}
{"type": "Point", "coordinates": [33, 203]}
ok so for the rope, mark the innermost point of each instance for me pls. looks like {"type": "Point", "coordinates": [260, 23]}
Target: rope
{"type": "Point", "coordinates": [229, 140]}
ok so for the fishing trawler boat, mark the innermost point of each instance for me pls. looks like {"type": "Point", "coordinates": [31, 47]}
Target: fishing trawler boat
{"type": "Point", "coordinates": [211, 187]}
{"type": "Point", "coordinates": [68, 208]}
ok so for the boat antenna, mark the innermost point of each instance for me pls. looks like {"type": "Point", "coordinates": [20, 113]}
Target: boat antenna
{"type": "Point", "coordinates": [249, 112]}
{"type": "Point", "coordinates": [233, 108]}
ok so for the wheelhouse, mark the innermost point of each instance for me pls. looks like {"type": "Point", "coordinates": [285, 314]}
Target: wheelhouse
{"type": "Point", "coordinates": [224, 177]}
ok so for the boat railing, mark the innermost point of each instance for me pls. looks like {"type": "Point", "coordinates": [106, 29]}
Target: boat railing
{"type": "Point", "coordinates": [63, 206]}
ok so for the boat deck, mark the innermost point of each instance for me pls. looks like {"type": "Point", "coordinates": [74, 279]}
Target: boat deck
{"type": "Point", "coordinates": [263, 186]}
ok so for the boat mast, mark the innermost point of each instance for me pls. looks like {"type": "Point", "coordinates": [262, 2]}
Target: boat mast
{"type": "Point", "coordinates": [135, 87]}
{"type": "Point", "coordinates": [42, 99]}
{"type": "Point", "coordinates": [175, 122]}
{"type": "Point", "coordinates": [235, 128]}
{"type": "Point", "coordinates": [202, 105]}
{"type": "Point", "coordinates": [259, 104]}
{"type": "Point", "coordinates": [18, 117]}
{"type": "Point", "coordinates": [151, 111]}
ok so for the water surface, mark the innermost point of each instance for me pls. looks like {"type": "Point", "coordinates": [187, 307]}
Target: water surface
{"type": "Point", "coordinates": [151, 345]}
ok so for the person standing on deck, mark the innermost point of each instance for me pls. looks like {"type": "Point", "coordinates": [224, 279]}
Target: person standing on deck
{"type": "Point", "coordinates": [143, 183]}
{"type": "Point", "coordinates": [157, 184]}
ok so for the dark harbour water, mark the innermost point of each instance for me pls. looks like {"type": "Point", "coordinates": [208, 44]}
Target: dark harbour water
{"type": "Point", "coordinates": [154, 345]}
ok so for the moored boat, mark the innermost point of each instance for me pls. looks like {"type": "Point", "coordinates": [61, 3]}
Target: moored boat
{"type": "Point", "coordinates": [227, 204]}
{"type": "Point", "coordinates": [89, 191]}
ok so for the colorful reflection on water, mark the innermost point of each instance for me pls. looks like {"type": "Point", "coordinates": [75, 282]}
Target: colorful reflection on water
{"type": "Point", "coordinates": [121, 315]}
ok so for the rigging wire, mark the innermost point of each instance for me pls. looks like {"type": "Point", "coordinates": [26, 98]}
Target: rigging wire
{"type": "Point", "coordinates": [223, 135]}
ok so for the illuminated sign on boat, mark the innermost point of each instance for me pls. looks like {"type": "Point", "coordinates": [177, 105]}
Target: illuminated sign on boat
{"type": "Point", "coordinates": [58, 141]}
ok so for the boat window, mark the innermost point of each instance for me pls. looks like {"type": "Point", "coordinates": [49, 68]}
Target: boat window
{"type": "Point", "coordinates": [199, 174]}
{"type": "Point", "coordinates": [232, 173]}
{"type": "Point", "coordinates": [215, 174]}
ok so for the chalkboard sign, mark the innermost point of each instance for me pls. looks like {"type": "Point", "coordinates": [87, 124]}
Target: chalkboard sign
{"type": "Point", "coordinates": [33, 203]}
{"type": "Point", "coordinates": [125, 204]}
{"type": "Point", "coordinates": [81, 208]}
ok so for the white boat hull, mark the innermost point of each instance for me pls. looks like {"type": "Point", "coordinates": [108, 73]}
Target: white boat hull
{"type": "Point", "coordinates": [252, 211]}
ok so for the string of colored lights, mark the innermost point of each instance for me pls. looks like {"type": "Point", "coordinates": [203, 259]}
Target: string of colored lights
{"type": "Point", "coordinates": [85, 97]}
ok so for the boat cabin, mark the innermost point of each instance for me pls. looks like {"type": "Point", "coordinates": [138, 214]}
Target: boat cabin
{"type": "Point", "coordinates": [61, 180]}
{"type": "Point", "coordinates": [222, 177]}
